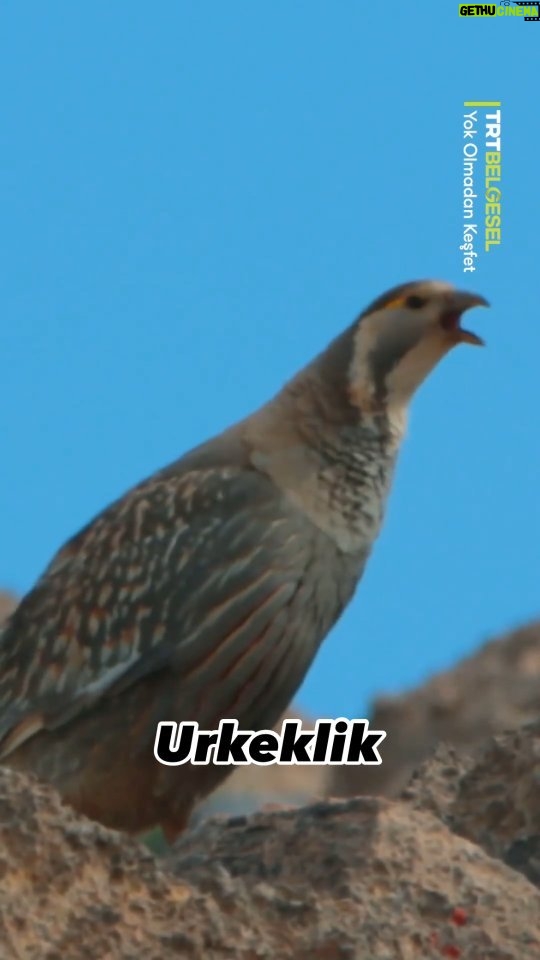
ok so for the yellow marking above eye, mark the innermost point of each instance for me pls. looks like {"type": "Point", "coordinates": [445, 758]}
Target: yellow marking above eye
{"type": "Point", "coordinates": [398, 302]}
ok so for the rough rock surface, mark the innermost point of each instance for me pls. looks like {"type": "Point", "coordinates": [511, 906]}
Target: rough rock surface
{"type": "Point", "coordinates": [496, 689]}
{"type": "Point", "coordinates": [362, 879]}
{"type": "Point", "coordinates": [492, 797]}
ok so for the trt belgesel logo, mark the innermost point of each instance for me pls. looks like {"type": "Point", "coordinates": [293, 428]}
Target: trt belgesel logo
{"type": "Point", "coordinates": [507, 8]}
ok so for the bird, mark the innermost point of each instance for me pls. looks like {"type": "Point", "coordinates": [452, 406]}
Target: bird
{"type": "Point", "coordinates": [206, 590]}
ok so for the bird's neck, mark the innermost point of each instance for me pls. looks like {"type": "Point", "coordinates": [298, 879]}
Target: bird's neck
{"type": "Point", "coordinates": [336, 464]}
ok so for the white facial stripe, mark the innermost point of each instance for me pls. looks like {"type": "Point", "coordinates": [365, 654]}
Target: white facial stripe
{"type": "Point", "coordinates": [360, 374]}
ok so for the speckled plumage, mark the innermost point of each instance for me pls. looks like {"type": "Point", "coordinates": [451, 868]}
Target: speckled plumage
{"type": "Point", "coordinates": [204, 592]}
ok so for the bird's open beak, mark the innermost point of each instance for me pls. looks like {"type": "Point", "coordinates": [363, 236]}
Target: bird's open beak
{"type": "Point", "coordinates": [459, 301]}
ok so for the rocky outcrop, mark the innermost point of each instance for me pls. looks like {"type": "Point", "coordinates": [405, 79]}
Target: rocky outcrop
{"type": "Point", "coordinates": [495, 689]}
{"type": "Point", "coordinates": [448, 870]}
{"type": "Point", "coordinates": [491, 797]}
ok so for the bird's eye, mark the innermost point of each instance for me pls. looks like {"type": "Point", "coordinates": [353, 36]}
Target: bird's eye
{"type": "Point", "coordinates": [415, 301]}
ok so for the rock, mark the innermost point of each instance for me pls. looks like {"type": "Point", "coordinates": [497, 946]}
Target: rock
{"type": "Point", "coordinates": [343, 880]}
{"type": "Point", "coordinates": [365, 878]}
{"type": "Point", "coordinates": [491, 797]}
{"type": "Point", "coordinates": [496, 689]}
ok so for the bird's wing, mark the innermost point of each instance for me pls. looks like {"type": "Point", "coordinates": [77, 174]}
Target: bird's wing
{"type": "Point", "coordinates": [183, 571]}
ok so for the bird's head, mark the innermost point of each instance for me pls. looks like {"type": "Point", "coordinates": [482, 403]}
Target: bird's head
{"type": "Point", "coordinates": [400, 338]}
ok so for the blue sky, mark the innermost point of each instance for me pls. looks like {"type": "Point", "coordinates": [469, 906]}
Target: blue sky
{"type": "Point", "coordinates": [196, 199]}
